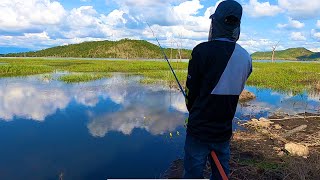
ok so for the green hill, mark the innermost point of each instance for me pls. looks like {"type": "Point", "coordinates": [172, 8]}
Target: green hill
{"type": "Point", "coordinates": [298, 54]}
{"type": "Point", "coordinates": [124, 48]}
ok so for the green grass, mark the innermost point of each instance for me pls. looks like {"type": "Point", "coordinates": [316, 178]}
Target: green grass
{"type": "Point", "coordinates": [289, 76]}
{"type": "Point", "coordinates": [82, 77]}
{"type": "Point", "coordinates": [23, 70]}
{"type": "Point", "coordinates": [265, 165]}
{"type": "Point", "coordinates": [295, 77]}
{"type": "Point", "coordinates": [97, 65]}
{"type": "Point", "coordinates": [164, 76]}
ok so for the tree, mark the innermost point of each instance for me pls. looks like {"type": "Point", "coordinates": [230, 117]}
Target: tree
{"type": "Point", "coordinates": [274, 50]}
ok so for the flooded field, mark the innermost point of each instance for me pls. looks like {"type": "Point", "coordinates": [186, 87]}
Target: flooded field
{"type": "Point", "coordinates": [110, 128]}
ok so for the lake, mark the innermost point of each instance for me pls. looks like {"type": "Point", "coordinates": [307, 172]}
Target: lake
{"type": "Point", "coordinates": [142, 59]}
{"type": "Point", "coordinates": [110, 128]}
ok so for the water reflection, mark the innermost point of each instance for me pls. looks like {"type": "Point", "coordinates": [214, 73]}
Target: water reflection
{"type": "Point", "coordinates": [103, 117]}
{"type": "Point", "coordinates": [31, 98]}
{"type": "Point", "coordinates": [131, 105]}
{"type": "Point", "coordinates": [144, 109]}
{"type": "Point", "coordinates": [269, 102]}
{"type": "Point", "coordinates": [30, 101]}
{"type": "Point", "coordinates": [152, 108]}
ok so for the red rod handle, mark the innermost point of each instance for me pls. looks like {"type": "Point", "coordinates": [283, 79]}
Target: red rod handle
{"type": "Point", "coordinates": [218, 164]}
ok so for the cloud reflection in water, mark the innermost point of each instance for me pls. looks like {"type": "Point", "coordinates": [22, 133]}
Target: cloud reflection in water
{"type": "Point", "coordinates": [30, 101]}
{"type": "Point", "coordinates": [152, 108]}
{"type": "Point", "coordinates": [145, 107]}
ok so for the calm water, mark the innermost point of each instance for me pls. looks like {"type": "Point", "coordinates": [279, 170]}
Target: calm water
{"type": "Point", "coordinates": [112, 128]}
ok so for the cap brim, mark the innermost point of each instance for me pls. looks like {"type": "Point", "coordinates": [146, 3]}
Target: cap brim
{"type": "Point", "coordinates": [212, 16]}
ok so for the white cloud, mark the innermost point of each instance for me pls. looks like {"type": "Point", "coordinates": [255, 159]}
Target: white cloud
{"type": "Point", "coordinates": [258, 44]}
{"type": "Point", "coordinates": [39, 36]}
{"type": "Point", "coordinates": [182, 19]}
{"type": "Point", "coordinates": [318, 23]}
{"type": "Point", "coordinates": [84, 22]}
{"type": "Point", "coordinates": [301, 9]}
{"type": "Point", "coordinates": [187, 9]}
{"type": "Point", "coordinates": [41, 40]}
{"type": "Point", "coordinates": [295, 23]}
{"type": "Point", "coordinates": [16, 15]}
{"type": "Point", "coordinates": [297, 36]}
{"type": "Point", "coordinates": [257, 9]}
{"type": "Point", "coordinates": [292, 24]}
{"type": "Point", "coordinates": [315, 34]}
{"type": "Point", "coordinates": [114, 18]}
{"type": "Point", "coordinates": [186, 21]}
{"type": "Point", "coordinates": [83, 16]}
{"type": "Point", "coordinates": [145, 10]}
{"type": "Point", "coordinates": [314, 49]}
{"type": "Point", "coordinates": [80, 24]}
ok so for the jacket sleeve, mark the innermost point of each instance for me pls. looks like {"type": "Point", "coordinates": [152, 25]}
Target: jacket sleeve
{"type": "Point", "coordinates": [193, 79]}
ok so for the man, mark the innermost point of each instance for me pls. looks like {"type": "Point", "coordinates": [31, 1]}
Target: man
{"type": "Point", "coordinates": [217, 74]}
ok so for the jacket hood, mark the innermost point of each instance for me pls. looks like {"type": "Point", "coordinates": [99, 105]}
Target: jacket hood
{"type": "Point", "coordinates": [225, 22]}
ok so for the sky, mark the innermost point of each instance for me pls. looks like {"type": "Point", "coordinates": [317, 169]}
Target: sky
{"type": "Point", "coordinates": [39, 24]}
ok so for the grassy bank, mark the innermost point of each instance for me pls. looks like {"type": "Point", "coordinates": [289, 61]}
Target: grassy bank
{"type": "Point", "coordinates": [290, 76]}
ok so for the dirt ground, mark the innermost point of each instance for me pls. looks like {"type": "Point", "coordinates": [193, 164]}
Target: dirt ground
{"type": "Point", "coordinates": [259, 152]}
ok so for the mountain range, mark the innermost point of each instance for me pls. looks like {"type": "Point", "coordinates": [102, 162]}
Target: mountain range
{"type": "Point", "coordinates": [141, 49]}
{"type": "Point", "coordinates": [123, 49]}
{"type": "Point", "coordinates": [297, 54]}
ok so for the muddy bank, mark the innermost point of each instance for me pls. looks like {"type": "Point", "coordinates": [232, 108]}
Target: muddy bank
{"type": "Point", "coordinates": [301, 129]}
{"type": "Point", "coordinates": [266, 150]}
{"type": "Point", "coordinates": [246, 96]}
{"type": "Point", "coordinates": [318, 86]}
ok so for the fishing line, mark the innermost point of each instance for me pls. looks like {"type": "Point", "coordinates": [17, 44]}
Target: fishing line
{"type": "Point", "coordinates": [166, 58]}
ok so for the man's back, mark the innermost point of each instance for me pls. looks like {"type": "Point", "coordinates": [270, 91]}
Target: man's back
{"type": "Point", "coordinates": [217, 74]}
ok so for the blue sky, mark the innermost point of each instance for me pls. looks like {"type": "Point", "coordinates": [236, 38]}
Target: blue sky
{"type": "Point", "coordinates": [38, 24]}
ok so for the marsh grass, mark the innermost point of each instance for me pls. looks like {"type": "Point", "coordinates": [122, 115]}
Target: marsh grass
{"type": "Point", "coordinates": [83, 77]}
{"type": "Point", "coordinates": [97, 65]}
{"type": "Point", "coordinates": [163, 77]}
{"type": "Point", "coordinates": [23, 70]}
{"type": "Point", "coordinates": [295, 77]}
{"type": "Point", "coordinates": [289, 76]}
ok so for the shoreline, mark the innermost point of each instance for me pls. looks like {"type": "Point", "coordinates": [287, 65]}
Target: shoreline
{"type": "Point", "coordinates": [262, 151]}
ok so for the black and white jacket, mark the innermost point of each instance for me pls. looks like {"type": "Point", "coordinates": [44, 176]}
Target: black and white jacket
{"type": "Point", "coordinates": [217, 73]}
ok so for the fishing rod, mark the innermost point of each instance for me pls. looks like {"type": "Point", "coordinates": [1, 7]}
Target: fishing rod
{"type": "Point", "coordinates": [166, 58]}
{"type": "Point", "coordinates": [213, 154]}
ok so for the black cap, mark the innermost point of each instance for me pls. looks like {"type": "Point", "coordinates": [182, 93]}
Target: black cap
{"type": "Point", "coordinates": [228, 11]}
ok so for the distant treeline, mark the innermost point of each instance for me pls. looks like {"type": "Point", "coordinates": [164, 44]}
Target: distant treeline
{"type": "Point", "coordinates": [124, 49]}
{"type": "Point", "coordinates": [299, 54]}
